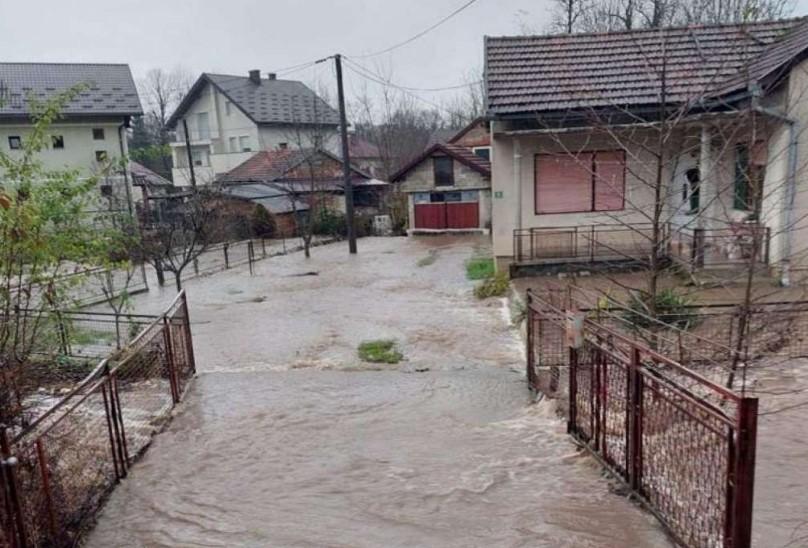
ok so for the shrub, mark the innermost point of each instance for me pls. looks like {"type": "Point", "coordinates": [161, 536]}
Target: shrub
{"type": "Point", "coordinates": [671, 309]}
{"type": "Point", "coordinates": [479, 268]}
{"type": "Point", "coordinates": [380, 351]}
{"type": "Point", "coordinates": [262, 223]}
{"type": "Point", "coordinates": [495, 286]}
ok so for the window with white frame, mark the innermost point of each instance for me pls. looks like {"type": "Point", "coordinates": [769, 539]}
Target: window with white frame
{"type": "Point", "coordinates": [233, 144]}
{"type": "Point", "coordinates": [482, 152]}
{"type": "Point", "coordinates": [14, 142]}
{"type": "Point", "coordinates": [203, 125]}
{"type": "Point", "coordinates": [228, 107]}
{"type": "Point", "coordinates": [244, 143]}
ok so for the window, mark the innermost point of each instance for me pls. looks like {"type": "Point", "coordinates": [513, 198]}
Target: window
{"type": "Point", "coordinates": [57, 141]}
{"type": "Point", "coordinates": [98, 134]}
{"type": "Point", "coordinates": [203, 125]}
{"type": "Point", "coordinates": [14, 142]}
{"type": "Point", "coordinates": [317, 141]}
{"type": "Point", "coordinates": [750, 170]}
{"type": "Point", "coordinates": [590, 181]}
{"type": "Point", "coordinates": [244, 143]}
{"type": "Point", "coordinates": [482, 152]}
{"type": "Point", "coordinates": [691, 191]}
{"type": "Point", "coordinates": [233, 143]}
{"type": "Point", "coordinates": [100, 155]}
{"type": "Point", "coordinates": [199, 157]}
{"type": "Point", "coordinates": [444, 170]}
{"type": "Point", "coordinates": [227, 106]}
{"type": "Point", "coordinates": [283, 146]}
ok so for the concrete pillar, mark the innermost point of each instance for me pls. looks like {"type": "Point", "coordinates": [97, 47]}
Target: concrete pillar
{"type": "Point", "coordinates": [708, 193]}
{"type": "Point", "coordinates": [517, 179]}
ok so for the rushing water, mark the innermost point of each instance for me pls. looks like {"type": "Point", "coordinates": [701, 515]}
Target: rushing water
{"type": "Point", "coordinates": [287, 440]}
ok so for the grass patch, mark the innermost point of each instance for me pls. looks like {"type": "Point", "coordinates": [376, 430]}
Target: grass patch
{"type": "Point", "coordinates": [428, 260]}
{"type": "Point", "coordinates": [380, 351]}
{"type": "Point", "coordinates": [479, 268]}
{"type": "Point", "coordinates": [495, 286]}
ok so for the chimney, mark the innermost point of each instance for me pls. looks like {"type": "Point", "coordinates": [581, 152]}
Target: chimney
{"type": "Point", "coordinates": [255, 76]}
{"type": "Point", "coordinates": [273, 76]}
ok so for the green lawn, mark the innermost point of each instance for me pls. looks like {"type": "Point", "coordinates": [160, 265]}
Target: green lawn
{"type": "Point", "coordinates": [479, 268]}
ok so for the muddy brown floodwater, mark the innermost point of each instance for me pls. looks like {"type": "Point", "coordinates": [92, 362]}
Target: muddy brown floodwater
{"type": "Point", "coordinates": [286, 439]}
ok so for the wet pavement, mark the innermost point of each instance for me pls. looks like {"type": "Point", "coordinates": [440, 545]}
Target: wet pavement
{"type": "Point", "coordinates": [287, 439]}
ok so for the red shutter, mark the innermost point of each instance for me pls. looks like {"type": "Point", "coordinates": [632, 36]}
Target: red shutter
{"type": "Point", "coordinates": [610, 180]}
{"type": "Point", "coordinates": [563, 183]}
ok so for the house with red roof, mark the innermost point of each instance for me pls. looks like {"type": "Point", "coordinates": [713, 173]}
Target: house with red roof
{"type": "Point", "coordinates": [448, 186]}
{"type": "Point", "coordinates": [601, 139]}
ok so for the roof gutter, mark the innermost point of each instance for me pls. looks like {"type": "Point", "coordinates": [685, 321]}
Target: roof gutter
{"type": "Point", "coordinates": [787, 211]}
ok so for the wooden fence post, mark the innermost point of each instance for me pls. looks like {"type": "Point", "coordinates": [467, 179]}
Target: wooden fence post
{"type": "Point", "coordinates": [189, 343]}
{"type": "Point", "coordinates": [172, 373]}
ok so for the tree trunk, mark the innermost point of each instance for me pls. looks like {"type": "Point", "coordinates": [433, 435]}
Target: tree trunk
{"type": "Point", "coordinates": [178, 280]}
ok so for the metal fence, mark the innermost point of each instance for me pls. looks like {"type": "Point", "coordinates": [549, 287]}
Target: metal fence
{"type": "Point", "coordinates": [227, 255]}
{"type": "Point", "coordinates": [57, 472]}
{"type": "Point", "coordinates": [735, 245]}
{"type": "Point", "coordinates": [683, 444]}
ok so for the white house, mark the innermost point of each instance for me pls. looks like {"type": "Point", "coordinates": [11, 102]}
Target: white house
{"type": "Point", "coordinates": [600, 139]}
{"type": "Point", "coordinates": [91, 133]}
{"type": "Point", "coordinates": [230, 118]}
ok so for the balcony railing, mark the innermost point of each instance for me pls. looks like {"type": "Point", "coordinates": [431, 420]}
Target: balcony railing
{"type": "Point", "coordinates": [695, 248]}
{"type": "Point", "coordinates": [588, 243]}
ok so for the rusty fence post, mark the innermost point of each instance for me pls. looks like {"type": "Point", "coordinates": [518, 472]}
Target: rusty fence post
{"type": "Point", "coordinates": [572, 419]}
{"type": "Point", "coordinates": [635, 420]}
{"type": "Point", "coordinates": [172, 373]}
{"type": "Point", "coordinates": [189, 343]}
{"type": "Point", "coordinates": [17, 534]}
{"type": "Point", "coordinates": [226, 256]}
{"type": "Point", "coordinates": [108, 414]}
{"type": "Point", "coordinates": [741, 476]}
{"type": "Point", "coordinates": [251, 256]}
{"type": "Point", "coordinates": [45, 475]}
{"type": "Point", "coordinates": [530, 318]}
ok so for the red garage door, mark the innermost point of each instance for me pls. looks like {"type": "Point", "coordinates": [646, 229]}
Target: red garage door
{"type": "Point", "coordinates": [445, 210]}
{"type": "Point", "coordinates": [462, 215]}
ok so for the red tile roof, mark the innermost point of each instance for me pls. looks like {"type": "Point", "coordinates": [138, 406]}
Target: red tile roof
{"type": "Point", "coordinates": [462, 154]}
{"type": "Point", "coordinates": [554, 73]}
{"type": "Point", "coordinates": [287, 165]}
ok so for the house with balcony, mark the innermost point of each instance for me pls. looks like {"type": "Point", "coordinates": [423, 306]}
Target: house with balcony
{"type": "Point", "coordinates": [684, 142]}
{"type": "Point", "coordinates": [229, 118]}
{"type": "Point", "coordinates": [90, 134]}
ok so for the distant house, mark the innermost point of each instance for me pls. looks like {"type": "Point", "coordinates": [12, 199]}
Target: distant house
{"type": "Point", "coordinates": [91, 132]}
{"type": "Point", "coordinates": [241, 200]}
{"type": "Point", "coordinates": [366, 156]}
{"type": "Point", "coordinates": [310, 176]}
{"type": "Point", "coordinates": [230, 118]}
{"type": "Point", "coordinates": [575, 123]}
{"type": "Point", "coordinates": [449, 185]}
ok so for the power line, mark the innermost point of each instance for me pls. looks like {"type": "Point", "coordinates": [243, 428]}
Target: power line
{"type": "Point", "coordinates": [409, 88]}
{"type": "Point", "coordinates": [420, 34]}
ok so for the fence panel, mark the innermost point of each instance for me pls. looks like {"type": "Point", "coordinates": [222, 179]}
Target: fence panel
{"type": "Point", "coordinates": [683, 444]}
{"type": "Point", "coordinates": [73, 454]}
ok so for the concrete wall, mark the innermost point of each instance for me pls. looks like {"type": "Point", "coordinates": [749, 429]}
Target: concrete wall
{"type": "Point", "coordinates": [79, 146]}
{"type": "Point", "coordinates": [506, 194]}
{"type": "Point", "coordinates": [422, 178]}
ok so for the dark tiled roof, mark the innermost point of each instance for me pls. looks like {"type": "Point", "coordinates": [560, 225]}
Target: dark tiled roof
{"type": "Point", "coordinates": [281, 165]}
{"type": "Point", "coordinates": [462, 154]}
{"type": "Point", "coordinates": [275, 200]}
{"type": "Point", "coordinates": [141, 175]}
{"type": "Point", "coordinates": [110, 88]}
{"type": "Point", "coordinates": [270, 102]}
{"type": "Point", "coordinates": [551, 73]}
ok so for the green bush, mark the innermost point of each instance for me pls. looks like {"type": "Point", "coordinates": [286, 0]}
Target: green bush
{"type": "Point", "coordinates": [479, 268]}
{"type": "Point", "coordinates": [328, 222]}
{"type": "Point", "coordinates": [380, 351]}
{"type": "Point", "coordinates": [495, 286]}
{"type": "Point", "coordinates": [671, 309]}
{"type": "Point", "coordinates": [262, 223]}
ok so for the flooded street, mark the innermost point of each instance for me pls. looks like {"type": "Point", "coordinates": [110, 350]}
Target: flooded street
{"type": "Point", "coordinates": [287, 439]}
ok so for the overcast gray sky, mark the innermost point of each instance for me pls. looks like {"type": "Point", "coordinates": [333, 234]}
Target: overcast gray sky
{"type": "Point", "coordinates": [233, 36]}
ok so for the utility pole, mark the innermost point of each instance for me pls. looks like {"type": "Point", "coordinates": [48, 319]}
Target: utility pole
{"type": "Point", "coordinates": [188, 151]}
{"type": "Point", "coordinates": [346, 159]}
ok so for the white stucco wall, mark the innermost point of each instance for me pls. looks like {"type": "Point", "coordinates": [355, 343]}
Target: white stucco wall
{"type": "Point", "coordinates": [79, 145]}
{"type": "Point", "coordinates": [505, 211]}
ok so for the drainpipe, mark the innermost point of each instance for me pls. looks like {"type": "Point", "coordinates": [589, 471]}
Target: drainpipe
{"type": "Point", "coordinates": [787, 212]}
{"type": "Point", "coordinates": [517, 179]}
